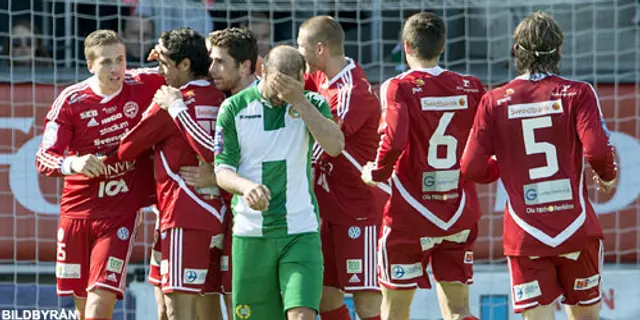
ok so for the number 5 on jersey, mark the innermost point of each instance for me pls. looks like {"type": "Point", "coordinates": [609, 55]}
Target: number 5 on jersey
{"type": "Point", "coordinates": [533, 147]}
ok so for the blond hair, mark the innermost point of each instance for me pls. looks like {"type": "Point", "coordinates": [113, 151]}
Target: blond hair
{"type": "Point", "coordinates": [100, 38]}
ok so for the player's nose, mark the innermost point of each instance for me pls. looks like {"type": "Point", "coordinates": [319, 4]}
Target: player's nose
{"type": "Point", "coordinates": [116, 70]}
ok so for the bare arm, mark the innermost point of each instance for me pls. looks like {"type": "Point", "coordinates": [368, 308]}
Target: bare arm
{"type": "Point", "coordinates": [256, 196]}
{"type": "Point", "coordinates": [325, 131]}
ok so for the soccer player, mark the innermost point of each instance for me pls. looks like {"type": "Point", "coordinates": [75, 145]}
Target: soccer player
{"type": "Point", "coordinates": [189, 217]}
{"type": "Point", "coordinates": [101, 196]}
{"type": "Point", "coordinates": [264, 136]}
{"type": "Point", "coordinates": [350, 219]}
{"type": "Point", "coordinates": [234, 56]}
{"type": "Point", "coordinates": [432, 216]}
{"type": "Point", "coordinates": [541, 127]}
{"type": "Point", "coordinates": [233, 53]}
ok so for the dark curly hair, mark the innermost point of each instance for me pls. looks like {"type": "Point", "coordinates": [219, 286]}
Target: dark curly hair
{"type": "Point", "coordinates": [240, 43]}
{"type": "Point", "coordinates": [537, 44]}
{"type": "Point", "coordinates": [186, 43]}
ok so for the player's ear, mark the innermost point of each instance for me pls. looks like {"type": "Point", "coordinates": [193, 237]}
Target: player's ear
{"type": "Point", "coordinates": [407, 48]}
{"type": "Point", "coordinates": [185, 65]}
{"type": "Point", "coordinates": [319, 48]}
{"type": "Point", "coordinates": [245, 67]}
{"type": "Point", "coordinates": [90, 66]}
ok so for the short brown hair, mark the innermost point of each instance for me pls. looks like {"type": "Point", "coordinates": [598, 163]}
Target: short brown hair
{"type": "Point", "coordinates": [538, 38]}
{"type": "Point", "coordinates": [326, 30]}
{"type": "Point", "coordinates": [100, 38]}
{"type": "Point", "coordinates": [425, 33]}
{"type": "Point", "coordinates": [240, 43]}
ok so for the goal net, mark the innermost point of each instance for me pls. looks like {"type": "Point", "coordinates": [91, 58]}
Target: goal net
{"type": "Point", "coordinates": [41, 54]}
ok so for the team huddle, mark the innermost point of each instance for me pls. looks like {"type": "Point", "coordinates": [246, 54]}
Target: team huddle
{"type": "Point", "coordinates": [283, 183]}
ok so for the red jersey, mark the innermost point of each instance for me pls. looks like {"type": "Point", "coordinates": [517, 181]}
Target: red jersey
{"type": "Point", "coordinates": [539, 127]}
{"type": "Point", "coordinates": [342, 196]}
{"type": "Point", "coordinates": [81, 121]}
{"type": "Point", "coordinates": [177, 145]}
{"type": "Point", "coordinates": [428, 116]}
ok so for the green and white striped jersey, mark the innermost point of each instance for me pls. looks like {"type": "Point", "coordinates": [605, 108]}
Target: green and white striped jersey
{"type": "Point", "coordinates": [270, 145]}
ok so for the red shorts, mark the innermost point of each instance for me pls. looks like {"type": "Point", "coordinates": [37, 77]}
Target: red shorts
{"type": "Point", "coordinates": [540, 281]}
{"type": "Point", "coordinates": [185, 260]}
{"type": "Point", "coordinates": [403, 258]}
{"type": "Point", "coordinates": [94, 253]}
{"type": "Point", "coordinates": [219, 276]}
{"type": "Point", "coordinates": [349, 256]}
{"type": "Point", "coordinates": [154, 262]}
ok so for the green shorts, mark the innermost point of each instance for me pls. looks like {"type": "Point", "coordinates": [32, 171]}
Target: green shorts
{"type": "Point", "coordinates": [273, 275]}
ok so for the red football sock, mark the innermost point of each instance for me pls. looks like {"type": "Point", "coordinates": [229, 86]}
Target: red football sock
{"type": "Point", "coordinates": [373, 318]}
{"type": "Point", "coordinates": [470, 318]}
{"type": "Point", "coordinates": [341, 313]}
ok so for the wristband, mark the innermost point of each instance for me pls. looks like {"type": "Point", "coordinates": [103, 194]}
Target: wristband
{"type": "Point", "coordinates": [176, 107]}
{"type": "Point", "coordinates": [65, 168]}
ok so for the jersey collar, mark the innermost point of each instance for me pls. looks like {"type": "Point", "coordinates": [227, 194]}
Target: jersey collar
{"type": "Point", "coordinates": [434, 71]}
{"type": "Point", "coordinates": [350, 65]}
{"type": "Point", "coordinates": [197, 83]}
{"type": "Point", "coordinates": [95, 87]}
{"type": "Point", "coordinates": [534, 76]}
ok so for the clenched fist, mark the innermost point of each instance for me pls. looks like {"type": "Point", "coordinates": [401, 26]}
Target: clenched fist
{"type": "Point", "coordinates": [165, 96]}
{"type": "Point", "coordinates": [257, 197]}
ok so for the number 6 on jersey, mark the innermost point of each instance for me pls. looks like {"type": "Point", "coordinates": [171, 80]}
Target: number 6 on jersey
{"type": "Point", "coordinates": [438, 139]}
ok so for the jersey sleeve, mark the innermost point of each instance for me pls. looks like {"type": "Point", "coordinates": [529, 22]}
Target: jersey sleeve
{"type": "Point", "coordinates": [394, 130]}
{"type": "Point", "coordinates": [198, 138]}
{"type": "Point", "coordinates": [149, 131]}
{"type": "Point", "coordinates": [594, 135]}
{"type": "Point", "coordinates": [320, 103]}
{"type": "Point", "coordinates": [58, 134]}
{"type": "Point", "coordinates": [226, 145]}
{"type": "Point", "coordinates": [354, 108]}
{"type": "Point", "coordinates": [477, 163]}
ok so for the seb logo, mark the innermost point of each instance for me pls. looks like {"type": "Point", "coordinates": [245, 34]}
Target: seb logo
{"type": "Point", "coordinates": [112, 188]}
{"type": "Point", "coordinates": [88, 114]}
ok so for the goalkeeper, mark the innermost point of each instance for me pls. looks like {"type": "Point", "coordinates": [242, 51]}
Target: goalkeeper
{"type": "Point", "coordinates": [263, 144]}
